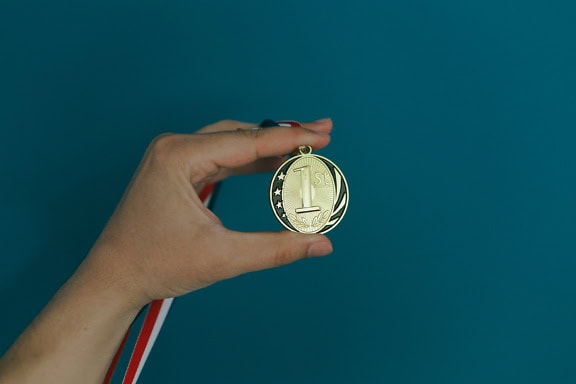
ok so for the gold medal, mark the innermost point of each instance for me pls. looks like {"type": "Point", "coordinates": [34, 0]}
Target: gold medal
{"type": "Point", "coordinates": [309, 193]}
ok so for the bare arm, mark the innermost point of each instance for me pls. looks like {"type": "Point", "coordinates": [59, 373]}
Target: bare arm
{"type": "Point", "coordinates": [154, 246]}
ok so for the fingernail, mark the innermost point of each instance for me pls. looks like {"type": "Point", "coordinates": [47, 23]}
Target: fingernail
{"type": "Point", "coordinates": [324, 120]}
{"type": "Point", "coordinates": [321, 248]}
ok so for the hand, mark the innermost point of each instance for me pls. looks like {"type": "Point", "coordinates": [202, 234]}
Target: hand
{"type": "Point", "coordinates": [162, 242]}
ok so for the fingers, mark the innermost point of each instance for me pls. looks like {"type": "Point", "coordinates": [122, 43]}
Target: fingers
{"type": "Point", "coordinates": [265, 164]}
{"type": "Point", "coordinates": [232, 147]}
{"type": "Point", "coordinates": [259, 166]}
{"type": "Point", "coordinates": [226, 125]}
{"type": "Point", "coordinates": [321, 125]}
{"type": "Point", "coordinates": [240, 148]}
{"type": "Point", "coordinates": [263, 250]}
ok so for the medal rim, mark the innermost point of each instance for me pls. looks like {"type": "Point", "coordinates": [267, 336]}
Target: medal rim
{"type": "Point", "coordinates": [294, 159]}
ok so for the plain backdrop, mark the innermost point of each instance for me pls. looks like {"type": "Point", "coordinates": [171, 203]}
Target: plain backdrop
{"type": "Point", "coordinates": [454, 124]}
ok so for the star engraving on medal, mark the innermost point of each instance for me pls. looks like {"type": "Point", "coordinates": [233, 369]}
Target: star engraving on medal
{"type": "Point", "coordinates": [277, 192]}
{"type": "Point", "coordinates": [281, 176]}
{"type": "Point", "coordinates": [279, 204]}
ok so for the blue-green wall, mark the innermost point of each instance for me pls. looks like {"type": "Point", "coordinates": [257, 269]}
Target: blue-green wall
{"type": "Point", "coordinates": [455, 123]}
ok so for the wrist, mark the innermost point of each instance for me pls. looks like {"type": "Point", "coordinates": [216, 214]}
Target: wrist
{"type": "Point", "coordinates": [80, 329]}
{"type": "Point", "coordinates": [104, 274]}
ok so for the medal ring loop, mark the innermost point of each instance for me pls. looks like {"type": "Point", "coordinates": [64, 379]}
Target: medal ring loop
{"type": "Point", "coordinates": [304, 150]}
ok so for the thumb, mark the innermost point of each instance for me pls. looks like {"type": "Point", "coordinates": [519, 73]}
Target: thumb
{"type": "Point", "coordinates": [261, 250]}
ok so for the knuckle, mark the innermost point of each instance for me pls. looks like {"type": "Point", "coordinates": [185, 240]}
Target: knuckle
{"type": "Point", "coordinates": [296, 132]}
{"type": "Point", "coordinates": [227, 124]}
{"type": "Point", "coordinates": [279, 258]}
{"type": "Point", "coordinates": [293, 134]}
{"type": "Point", "coordinates": [285, 255]}
{"type": "Point", "coordinates": [163, 146]}
{"type": "Point", "coordinates": [249, 133]}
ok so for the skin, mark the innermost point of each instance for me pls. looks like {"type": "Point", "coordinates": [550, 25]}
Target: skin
{"type": "Point", "coordinates": [160, 242]}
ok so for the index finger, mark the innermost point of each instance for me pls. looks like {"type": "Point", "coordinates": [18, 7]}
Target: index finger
{"type": "Point", "coordinates": [231, 149]}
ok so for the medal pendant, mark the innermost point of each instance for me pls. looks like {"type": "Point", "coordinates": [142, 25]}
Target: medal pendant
{"type": "Point", "coordinates": [309, 193]}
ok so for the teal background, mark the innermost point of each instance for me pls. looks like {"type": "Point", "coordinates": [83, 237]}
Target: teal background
{"type": "Point", "coordinates": [454, 124]}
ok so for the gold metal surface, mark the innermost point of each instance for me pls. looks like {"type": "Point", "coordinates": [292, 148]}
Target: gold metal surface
{"type": "Point", "coordinates": [308, 193]}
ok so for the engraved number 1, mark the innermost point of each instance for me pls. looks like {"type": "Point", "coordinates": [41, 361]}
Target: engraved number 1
{"type": "Point", "coordinates": [306, 190]}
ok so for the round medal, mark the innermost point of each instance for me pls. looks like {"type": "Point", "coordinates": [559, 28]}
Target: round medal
{"type": "Point", "coordinates": [309, 193]}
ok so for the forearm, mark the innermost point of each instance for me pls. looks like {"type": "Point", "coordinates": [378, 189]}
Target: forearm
{"type": "Point", "coordinates": [74, 338]}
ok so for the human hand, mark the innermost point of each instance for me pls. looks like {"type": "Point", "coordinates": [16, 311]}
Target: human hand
{"type": "Point", "coordinates": [162, 242]}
